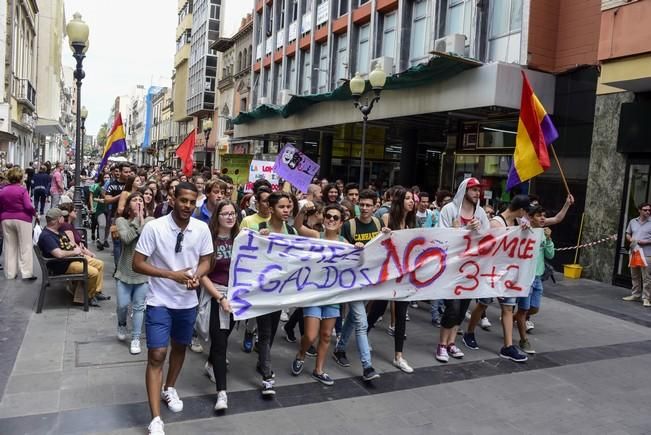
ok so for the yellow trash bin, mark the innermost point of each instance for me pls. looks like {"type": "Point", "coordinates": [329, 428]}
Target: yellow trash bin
{"type": "Point", "coordinates": [572, 271]}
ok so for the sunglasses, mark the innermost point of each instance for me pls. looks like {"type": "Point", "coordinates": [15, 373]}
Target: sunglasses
{"type": "Point", "coordinates": [179, 243]}
{"type": "Point", "coordinates": [227, 215]}
{"type": "Point", "coordinates": [646, 209]}
{"type": "Point", "coordinates": [334, 217]}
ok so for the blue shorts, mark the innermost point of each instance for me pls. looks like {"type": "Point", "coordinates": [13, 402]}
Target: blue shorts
{"type": "Point", "coordinates": [535, 296]}
{"type": "Point", "coordinates": [322, 312]}
{"type": "Point", "coordinates": [161, 323]}
{"type": "Point", "coordinates": [512, 302]}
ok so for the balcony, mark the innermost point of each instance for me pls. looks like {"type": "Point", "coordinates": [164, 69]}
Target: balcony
{"type": "Point", "coordinates": [24, 92]}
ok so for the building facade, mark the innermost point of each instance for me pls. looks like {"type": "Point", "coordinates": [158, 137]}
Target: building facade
{"type": "Point", "coordinates": [620, 163]}
{"type": "Point", "coordinates": [234, 88]}
{"type": "Point", "coordinates": [207, 19]}
{"type": "Point", "coordinates": [453, 106]}
{"type": "Point", "coordinates": [20, 79]}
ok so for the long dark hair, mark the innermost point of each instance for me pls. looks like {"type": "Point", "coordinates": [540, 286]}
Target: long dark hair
{"type": "Point", "coordinates": [127, 205]}
{"type": "Point", "coordinates": [214, 220]}
{"type": "Point", "coordinates": [327, 189]}
{"type": "Point", "coordinates": [128, 186]}
{"type": "Point", "coordinates": [149, 209]}
{"type": "Point", "coordinates": [398, 212]}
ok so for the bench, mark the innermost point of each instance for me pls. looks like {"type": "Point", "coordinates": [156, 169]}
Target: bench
{"type": "Point", "coordinates": [47, 278]}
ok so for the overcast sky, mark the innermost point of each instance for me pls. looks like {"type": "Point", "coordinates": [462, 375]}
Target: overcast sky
{"type": "Point", "coordinates": [131, 42]}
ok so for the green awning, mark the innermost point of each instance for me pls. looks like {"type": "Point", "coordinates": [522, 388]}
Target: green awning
{"type": "Point", "coordinates": [440, 67]}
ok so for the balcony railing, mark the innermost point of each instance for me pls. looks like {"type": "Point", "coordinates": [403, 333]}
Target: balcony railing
{"type": "Point", "coordinates": [24, 92]}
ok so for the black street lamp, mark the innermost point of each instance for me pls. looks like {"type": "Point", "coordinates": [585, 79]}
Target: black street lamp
{"type": "Point", "coordinates": [77, 31]}
{"type": "Point", "coordinates": [84, 115]}
{"type": "Point", "coordinates": [357, 86]}
{"type": "Point", "coordinates": [207, 128]}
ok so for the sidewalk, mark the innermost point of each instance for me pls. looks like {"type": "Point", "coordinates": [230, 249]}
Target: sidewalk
{"type": "Point", "coordinates": [63, 371]}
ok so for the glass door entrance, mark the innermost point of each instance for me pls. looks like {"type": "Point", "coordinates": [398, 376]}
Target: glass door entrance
{"type": "Point", "coordinates": [637, 192]}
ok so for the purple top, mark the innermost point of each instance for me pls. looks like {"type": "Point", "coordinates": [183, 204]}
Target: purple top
{"type": "Point", "coordinates": [15, 203]}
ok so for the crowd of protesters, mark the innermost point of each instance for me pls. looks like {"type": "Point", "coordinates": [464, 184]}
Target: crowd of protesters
{"type": "Point", "coordinates": [172, 235]}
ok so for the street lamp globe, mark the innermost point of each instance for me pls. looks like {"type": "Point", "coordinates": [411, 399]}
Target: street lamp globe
{"type": "Point", "coordinates": [378, 77]}
{"type": "Point", "coordinates": [357, 85]}
{"type": "Point", "coordinates": [77, 30]}
{"type": "Point", "coordinates": [207, 124]}
{"type": "Point", "coordinates": [84, 113]}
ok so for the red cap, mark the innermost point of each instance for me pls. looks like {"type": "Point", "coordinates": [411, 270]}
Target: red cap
{"type": "Point", "coordinates": [473, 182]}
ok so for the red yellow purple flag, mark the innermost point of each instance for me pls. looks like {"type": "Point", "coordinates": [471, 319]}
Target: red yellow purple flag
{"type": "Point", "coordinates": [535, 133]}
{"type": "Point", "coordinates": [115, 142]}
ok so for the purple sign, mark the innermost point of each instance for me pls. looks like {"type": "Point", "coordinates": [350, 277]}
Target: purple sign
{"type": "Point", "coordinates": [295, 167]}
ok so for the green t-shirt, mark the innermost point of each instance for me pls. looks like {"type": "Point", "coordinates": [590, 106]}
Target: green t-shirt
{"type": "Point", "coordinates": [363, 233]}
{"type": "Point", "coordinates": [253, 222]}
{"type": "Point", "coordinates": [96, 190]}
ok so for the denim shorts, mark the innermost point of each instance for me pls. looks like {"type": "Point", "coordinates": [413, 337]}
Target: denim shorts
{"type": "Point", "coordinates": [512, 302]}
{"type": "Point", "coordinates": [322, 312]}
{"type": "Point", "coordinates": [535, 296]}
{"type": "Point", "coordinates": [161, 323]}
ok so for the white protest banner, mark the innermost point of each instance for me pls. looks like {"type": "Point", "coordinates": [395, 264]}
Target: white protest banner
{"type": "Point", "coordinates": [280, 271]}
{"type": "Point", "coordinates": [262, 169]}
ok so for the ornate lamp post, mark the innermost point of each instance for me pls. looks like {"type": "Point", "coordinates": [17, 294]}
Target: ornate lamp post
{"type": "Point", "coordinates": [207, 128]}
{"type": "Point", "coordinates": [84, 115]}
{"type": "Point", "coordinates": [77, 31]}
{"type": "Point", "coordinates": [357, 86]}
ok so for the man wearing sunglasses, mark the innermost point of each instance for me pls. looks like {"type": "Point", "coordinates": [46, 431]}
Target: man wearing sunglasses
{"type": "Point", "coordinates": [638, 233]}
{"type": "Point", "coordinates": [175, 252]}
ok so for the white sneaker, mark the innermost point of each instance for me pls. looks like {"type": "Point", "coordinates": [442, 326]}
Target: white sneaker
{"type": "Point", "coordinates": [171, 397]}
{"type": "Point", "coordinates": [156, 427]}
{"type": "Point", "coordinates": [222, 401]}
{"type": "Point", "coordinates": [209, 372]}
{"type": "Point", "coordinates": [529, 325]}
{"type": "Point", "coordinates": [196, 345]}
{"type": "Point", "coordinates": [403, 365]}
{"type": "Point", "coordinates": [134, 349]}
{"type": "Point", "coordinates": [284, 317]}
{"type": "Point", "coordinates": [484, 323]}
{"type": "Point", "coordinates": [467, 315]}
{"type": "Point", "coordinates": [122, 332]}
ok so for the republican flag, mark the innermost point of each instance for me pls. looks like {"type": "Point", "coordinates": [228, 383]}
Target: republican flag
{"type": "Point", "coordinates": [115, 142]}
{"type": "Point", "coordinates": [185, 152]}
{"type": "Point", "coordinates": [535, 133]}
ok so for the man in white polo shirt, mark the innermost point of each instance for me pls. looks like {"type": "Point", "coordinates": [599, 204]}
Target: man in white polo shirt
{"type": "Point", "coordinates": [175, 252]}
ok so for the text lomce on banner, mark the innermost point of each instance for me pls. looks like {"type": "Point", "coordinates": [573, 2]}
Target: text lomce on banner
{"type": "Point", "coordinates": [280, 271]}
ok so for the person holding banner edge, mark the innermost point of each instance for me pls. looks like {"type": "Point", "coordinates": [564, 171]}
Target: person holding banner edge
{"type": "Point", "coordinates": [463, 212]}
{"type": "Point", "coordinates": [223, 227]}
{"type": "Point", "coordinates": [280, 208]}
{"type": "Point", "coordinates": [319, 320]}
{"type": "Point", "coordinates": [402, 215]}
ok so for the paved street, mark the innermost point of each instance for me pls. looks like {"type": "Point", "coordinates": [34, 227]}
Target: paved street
{"type": "Point", "coordinates": [64, 372]}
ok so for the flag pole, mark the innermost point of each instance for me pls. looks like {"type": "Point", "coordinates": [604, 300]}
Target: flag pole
{"type": "Point", "coordinates": [560, 169]}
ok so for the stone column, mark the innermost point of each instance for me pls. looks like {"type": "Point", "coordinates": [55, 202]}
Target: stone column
{"type": "Point", "coordinates": [605, 187]}
{"type": "Point", "coordinates": [325, 155]}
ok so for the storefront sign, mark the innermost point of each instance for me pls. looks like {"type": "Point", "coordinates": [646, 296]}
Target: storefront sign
{"type": "Point", "coordinates": [280, 271]}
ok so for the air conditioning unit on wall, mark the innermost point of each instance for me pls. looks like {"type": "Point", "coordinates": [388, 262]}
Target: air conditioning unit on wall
{"type": "Point", "coordinates": [454, 43]}
{"type": "Point", "coordinates": [385, 62]}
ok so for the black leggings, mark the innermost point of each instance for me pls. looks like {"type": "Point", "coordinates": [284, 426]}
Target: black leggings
{"type": "Point", "coordinates": [219, 344]}
{"type": "Point", "coordinates": [455, 312]}
{"type": "Point", "coordinates": [377, 310]}
{"type": "Point", "coordinates": [94, 225]}
{"type": "Point", "coordinates": [39, 200]}
{"type": "Point", "coordinates": [267, 327]}
{"type": "Point", "coordinates": [296, 318]}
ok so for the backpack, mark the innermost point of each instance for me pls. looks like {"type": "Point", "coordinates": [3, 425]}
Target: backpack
{"type": "Point", "coordinates": [291, 230]}
{"type": "Point", "coordinates": [353, 225]}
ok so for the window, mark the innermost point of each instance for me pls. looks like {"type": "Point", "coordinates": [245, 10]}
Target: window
{"type": "Point", "coordinates": [293, 10]}
{"type": "Point", "coordinates": [388, 42]}
{"type": "Point", "coordinates": [459, 17]}
{"type": "Point", "coordinates": [418, 42]}
{"type": "Point", "coordinates": [306, 76]}
{"type": "Point", "coordinates": [270, 20]}
{"type": "Point", "coordinates": [363, 45]}
{"type": "Point", "coordinates": [341, 67]}
{"type": "Point", "coordinates": [504, 31]}
{"type": "Point", "coordinates": [291, 74]}
{"type": "Point", "coordinates": [323, 68]}
{"type": "Point", "coordinates": [267, 84]}
{"type": "Point", "coordinates": [342, 7]}
{"type": "Point", "coordinates": [278, 83]}
{"type": "Point", "coordinates": [281, 15]}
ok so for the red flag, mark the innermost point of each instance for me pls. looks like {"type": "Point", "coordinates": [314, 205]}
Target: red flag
{"type": "Point", "coordinates": [185, 152]}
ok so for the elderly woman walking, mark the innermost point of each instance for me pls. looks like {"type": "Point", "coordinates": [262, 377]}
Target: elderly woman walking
{"type": "Point", "coordinates": [16, 213]}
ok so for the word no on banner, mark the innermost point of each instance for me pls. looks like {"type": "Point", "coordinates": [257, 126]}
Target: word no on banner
{"type": "Point", "coordinates": [280, 271]}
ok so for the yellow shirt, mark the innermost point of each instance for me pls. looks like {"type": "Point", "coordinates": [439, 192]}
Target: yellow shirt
{"type": "Point", "coordinates": [253, 222]}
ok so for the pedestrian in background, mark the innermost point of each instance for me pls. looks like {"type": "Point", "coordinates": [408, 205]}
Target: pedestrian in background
{"type": "Point", "coordinates": [16, 214]}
